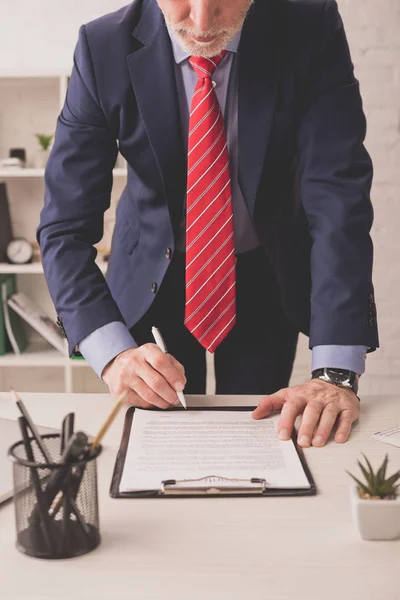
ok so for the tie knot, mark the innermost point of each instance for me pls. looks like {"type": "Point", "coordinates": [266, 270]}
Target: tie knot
{"type": "Point", "coordinates": [205, 67]}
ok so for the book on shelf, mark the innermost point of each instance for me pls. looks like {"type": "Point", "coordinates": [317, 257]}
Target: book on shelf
{"type": "Point", "coordinates": [12, 332]}
{"type": "Point", "coordinates": [6, 233]}
{"type": "Point", "coordinates": [38, 320]}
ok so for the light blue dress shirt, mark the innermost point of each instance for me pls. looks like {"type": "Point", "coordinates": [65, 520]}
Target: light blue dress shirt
{"type": "Point", "coordinates": [104, 344]}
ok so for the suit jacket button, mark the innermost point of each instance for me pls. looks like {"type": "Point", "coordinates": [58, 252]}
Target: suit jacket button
{"type": "Point", "coordinates": [168, 253]}
{"type": "Point", "coordinates": [154, 287]}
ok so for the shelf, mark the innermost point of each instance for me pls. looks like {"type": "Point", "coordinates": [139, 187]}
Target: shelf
{"type": "Point", "coordinates": [4, 74]}
{"type": "Point", "coordinates": [20, 173]}
{"type": "Point", "coordinates": [36, 268]}
{"type": "Point", "coordinates": [36, 355]}
{"type": "Point", "coordinates": [19, 269]}
{"type": "Point", "coordinates": [31, 99]}
{"type": "Point", "coordinates": [40, 354]}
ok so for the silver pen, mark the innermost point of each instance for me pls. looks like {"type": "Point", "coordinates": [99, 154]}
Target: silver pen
{"type": "Point", "coordinates": [161, 344]}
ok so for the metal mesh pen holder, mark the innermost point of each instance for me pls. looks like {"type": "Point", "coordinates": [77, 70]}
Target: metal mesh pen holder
{"type": "Point", "coordinates": [56, 505]}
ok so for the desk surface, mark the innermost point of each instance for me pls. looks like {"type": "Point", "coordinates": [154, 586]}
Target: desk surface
{"type": "Point", "coordinates": [237, 548]}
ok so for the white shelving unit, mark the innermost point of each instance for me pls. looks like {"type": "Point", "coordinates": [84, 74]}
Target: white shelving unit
{"type": "Point", "coordinates": [37, 268]}
{"type": "Point", "coordinates": [38, 355]}
{"type": "Point", "coordinates": [20, 173]}
{"type": "Point", "coordinates": [32, 102]}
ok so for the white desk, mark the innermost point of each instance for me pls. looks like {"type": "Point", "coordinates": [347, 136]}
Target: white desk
{"type": "Point", "coordinates": [239, 548]}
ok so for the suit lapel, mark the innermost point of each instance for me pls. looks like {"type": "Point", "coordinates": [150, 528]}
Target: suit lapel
{"type": "Point", "coordinates": [258, 92]}
{"type": "Point", "coordinates": [151, 69]}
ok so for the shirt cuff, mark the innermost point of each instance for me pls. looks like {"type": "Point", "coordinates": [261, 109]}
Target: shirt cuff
{"type": "Point", "coordinates": [105, 343]}
{"type": "Point", "coordinates": [350, 358]}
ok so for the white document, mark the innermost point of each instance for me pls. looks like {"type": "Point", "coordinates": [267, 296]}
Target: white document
{"type": "Point", "coordinates": [197, 444]}
{"type": "Point", "coordinates": [388, 436]}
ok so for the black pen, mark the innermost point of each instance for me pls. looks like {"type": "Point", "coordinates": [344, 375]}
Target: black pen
{"type": "Point", "coordinates": [32, 427]}
{"type": "Point", "coordinates": [74, 451]}
{"type": "Point", "coordinates": [40, 510]}
{"type": "Point", "coordinates": [67, 430]}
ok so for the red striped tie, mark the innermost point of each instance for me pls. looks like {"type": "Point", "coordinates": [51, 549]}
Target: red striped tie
{"type": "Point", "coordinates": [210, 311]}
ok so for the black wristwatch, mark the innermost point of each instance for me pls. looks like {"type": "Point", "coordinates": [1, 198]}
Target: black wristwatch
{"type": "Point", "coordinates": [339, 377]}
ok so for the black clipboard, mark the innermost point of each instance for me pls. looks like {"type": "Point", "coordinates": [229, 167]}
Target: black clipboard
{"type": "Point", "coordinates": [168, 489]}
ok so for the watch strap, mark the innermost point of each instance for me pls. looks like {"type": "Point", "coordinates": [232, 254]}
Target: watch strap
{"type": "Point", "coordinates": [322, 374]}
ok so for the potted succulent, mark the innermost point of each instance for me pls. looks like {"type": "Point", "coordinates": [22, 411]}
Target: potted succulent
{"type": "Point", "coordinates": [376, 502]}
{"type": "Point", "coordinates": [44, 143]}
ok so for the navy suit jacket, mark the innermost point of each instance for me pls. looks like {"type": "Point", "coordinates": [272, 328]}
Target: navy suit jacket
{"type": "Point", "coordinates": [303, 170]}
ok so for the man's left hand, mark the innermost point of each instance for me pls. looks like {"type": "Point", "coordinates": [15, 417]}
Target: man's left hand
{"type": "Point", "coordinates": [321, 403]}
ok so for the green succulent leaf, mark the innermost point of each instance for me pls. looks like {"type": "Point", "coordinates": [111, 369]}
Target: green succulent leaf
{"type": "Point", "coordinates": [392, 480]}
{"type": "Point", "coordinates": [368, 464]}
{"type": "Point", "coordinates": [385, 490]}
{"type": "Point", "coordinates": [369, 478]}
{"type": "Point", "coordinates": [382, 470]}
{"type": "Point", "coordinates": [363, 487]}
{"type": "Point", "coordinates": [376, 483]}
{"type": "Point", "coordinates": [44, 140]}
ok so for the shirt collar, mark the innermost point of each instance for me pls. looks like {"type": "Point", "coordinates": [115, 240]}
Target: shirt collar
{"type": "Point", "coordinates": [180, 55]}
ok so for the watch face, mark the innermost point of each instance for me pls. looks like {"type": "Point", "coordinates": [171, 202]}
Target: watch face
{"type": "Point", "coordinates": [19, 251]}
{"type": "Point", "coordinates": [338, 375]}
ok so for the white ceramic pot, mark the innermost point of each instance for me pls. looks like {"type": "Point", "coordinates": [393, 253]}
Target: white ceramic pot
{"type": "Point", "coordinates": [376, 519]}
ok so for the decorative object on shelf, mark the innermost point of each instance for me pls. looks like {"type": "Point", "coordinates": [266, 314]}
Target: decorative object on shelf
{"type": "Point", "coordinates": [37, 318]}
{"type": "Point", "coordinates": [37, 257]}
{"type": "Point", "coordinates": [43, 155]}
{"type": "Point", "coordinates": [11, 163]}
{"type": "Point", "coordinates": [6, 234]}
{"type": "Point", "coordinates": [19, 251]}
{"type": "Point", "coordinates": [19, 153]}
{"type": "Point", "coordinates": [376, 502]}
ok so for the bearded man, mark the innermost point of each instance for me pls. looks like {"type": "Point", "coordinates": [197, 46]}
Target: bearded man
{"type": "Point", "coordinates": [246, 214]}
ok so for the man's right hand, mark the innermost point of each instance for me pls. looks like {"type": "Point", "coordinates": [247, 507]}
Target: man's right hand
{"type": "Point", "coordinates": [152, 377]}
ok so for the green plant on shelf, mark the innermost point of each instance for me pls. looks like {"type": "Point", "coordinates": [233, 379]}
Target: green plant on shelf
{"type": "Point", "coordinates": [377, 486]}
{"type": "Point", "coordinates": [44, 140]}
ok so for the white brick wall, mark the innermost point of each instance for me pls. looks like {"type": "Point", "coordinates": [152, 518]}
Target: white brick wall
{"type": "Point", "coordinates": [373, 30]}
{"type": "Point", "coordinates": [41, 34]}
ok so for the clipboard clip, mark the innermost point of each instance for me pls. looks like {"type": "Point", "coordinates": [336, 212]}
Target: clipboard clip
{"type": "Point", "coordinates": [213, 485]}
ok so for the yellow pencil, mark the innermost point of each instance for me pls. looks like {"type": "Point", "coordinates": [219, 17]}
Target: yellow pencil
{"type": "Point", "coordinates": [96, 441]}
